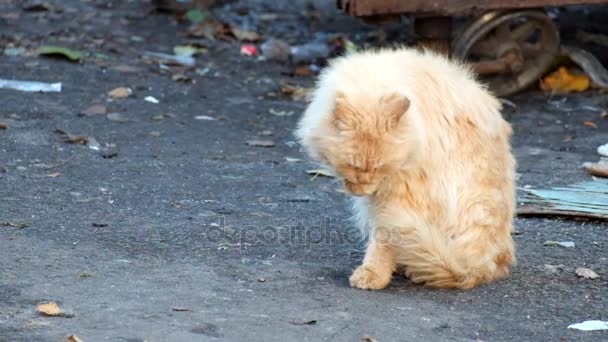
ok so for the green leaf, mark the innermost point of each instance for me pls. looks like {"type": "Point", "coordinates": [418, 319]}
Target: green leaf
{"type": "Point", "coordinates": [196, 16]}
{"type": "Point", "coordinates": [72, 55]}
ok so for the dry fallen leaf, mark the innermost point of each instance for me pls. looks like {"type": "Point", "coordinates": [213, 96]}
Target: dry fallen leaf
{"type": "Point", "coordinates": [77, 139]}
{"type": "Point", "coordinates": [296, 93]}
{"type": "Point", "coordinates": [74, 338]}
{"type": "Point", "coordinates": [260, 143]}
{"type": "Point", "coordinates": [54, 174]}
{"type": "Point", "coordinates": [181, 78]}
{"type": "Point", "coordinates": [245, 35]}
{"type": "Point", "coordinates": [368, 338]}
{"type": "Point", "coordinates": [50, 309]}
{"type": "Point", "coordinates": [303, 70]}
{"type": "Point", "coordinates": [3, 125]}
{"type": "Point", "coordinates": [590, 124]}
{"type": "Point", "coordinates": [120, 92]}
{"type": "Point", "coordinates": [563, 81]}
{"type": "Point", "coordinates": [586, 273]}
{"type": "Point", "coordinates": [95, 110]}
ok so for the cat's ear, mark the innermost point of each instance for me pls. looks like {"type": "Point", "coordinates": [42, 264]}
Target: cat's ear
{"type": "Point", "coordinates": [395, 106]}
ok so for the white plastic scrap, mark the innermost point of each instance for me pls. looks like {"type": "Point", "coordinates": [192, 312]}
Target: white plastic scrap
{"type": "Point", "coordinates": [151, 99]}
{"type": "Point", "coordinates": [590, 325]}
{"type": "Point", "coordinates": [30, 86]}
{"type": "Point", "coordinates": [204, 117]}
{"type": "Point", "coordinates": [603, 150]}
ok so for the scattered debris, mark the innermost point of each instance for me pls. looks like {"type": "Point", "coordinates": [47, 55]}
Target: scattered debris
{"type": "Point", "coordinates": [310, 52]}
{"type": "Point", "coordinates": [162, 116]}
{"type": "Point", "coordinates": [180, 308]}
{"type": "Point", "coordinates": [305, 322]}
{"type": "Point", "coordinates": [54, 174]}
{"type": "Point", "coordinates": [13, 52]}
{"type": "Point", "coordinates": [590, 325]}
{"type": "Point", "coordinates": [276, 50]}
{"type": "Point", "coordinates": [151, 99]}
{"type": "Point", "coordinates": [368, 338]}
{"type": "Point", "coordinates": [71, 55]}
{"type": "Point", "coordinates": [603, 150]}
{"type": "Point", "coordinates": [563, 81]}
{"type": "Point", "coordinates": [99, 225]}
{"type": "Point", "coordinates": [14, 225]}
{"type": "Point", "coordinates": [260, 143]}
{"type": "Point", "coordinates": [296, 93]}
{"type": "Point", "coordinates": [265, 133]}
{"type": "Point", "coordinates": [195, 16]}
{"type": "Point", "coordinates": [293, 160]}
{"type": "Point", "coordinates": [592, 67]}
{"type": "Point", "coordinates": [188, 50]}
{"type": "Point", "coordinates": [599, 169]}
{"type": "Point", "coordinates": [155, 134]}
{"type": "Point", "coordinates": [590, 124]}
{"type": "Point", "coordinates": [249, 50]}
{"type": "Point", "coordinates": [320, 172]}
{"type": "Point", "coordinates": [554, 268]}
{"type": "Point", "coordinates": [205, 117]}
{"type": "Point", "coordinates": [86, 275]}
{"type": "Point", "coordinates": [3, 125]}
{"type": "Point", "coordinates": [586, 273]}
{"type": "Point", "coordinates": [117, 117]}
{"type": "Point", "coordinates": [96, 109]}
{"type": "Point", "coordinates": [77, 139]}
{"type": "Point", "coordinates": [171, 59]}
{"type": "Point", "coordinates": [30, 86]}
{"type": "Point", "coordinates": [120, 92]}
{"type": "Point", "coordinates": [585, 199]}
{"type": "Point", "coordinates": [245, 35]}
{"type": "Point", "coordinates": [276, 112]}
{"type": "Point", "coordinates": [261, 280]}
{"type": "Point", "coordinates": [181, 78]}
{"type": "Point", "coordinates": [125, 68]}
{"type": "Point", "coordinates": [565, 244]}
{"type": "Point", "coordinates": [50, 309]}
{"type": "Point", "coordinates": [74, 338]}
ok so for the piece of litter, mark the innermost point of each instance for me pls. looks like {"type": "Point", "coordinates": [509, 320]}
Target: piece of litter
{"type": "Point", "coordinates": [205, 117]}
{"type": "Point", "coordinates": [566, 244]}
{"type": "Point", "coordinates": [120, 92]}
{"type": "Point", "coordinates": [586, 273]}
{"type": "Point", "coordinates": [30, 86]}
{"type": "Point", "coordinates": [603, 150]}
{"type": "Point", "coordinates": [179, 308]}
{"type": "Point", "coordinates": [260, 143]}
{"type": "Point", "coordinates": [563, 81]}
{"type": "Point", "coordinates": [49, 309]}
{"type": "Point", "coordinates": [188, 50]}
{"type": "Point", "coordinates": [368, 338]}
{"type": "Point", "coordinates": [77, 139]}
{"type": "Point", "coordinates": [249, 50]}
{"type": "Point", "coordinates": [599, 169]}
{"type": "Point", "coordinates": [151, 99]}
{"type": "Point", "coordinates": [261, 280]}
{"type": "Point", "coordinates": [590, 325]}
{"type": "Point", "coordinates": [71, 55]}
{"type": "Point", "coordinates": [292, 160]}
{"type": "Point", "coordinates": [155, 133]}
{"type": "Point", "coordinates": [3, 125]}
{"type": "Point", "coordinates": [54, 174]}
{"type": "Point", "coordinates": [171, 59]}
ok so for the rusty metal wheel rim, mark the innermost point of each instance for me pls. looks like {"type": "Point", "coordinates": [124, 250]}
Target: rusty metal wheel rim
{"type": "Point", "coordinates": [516, 27]}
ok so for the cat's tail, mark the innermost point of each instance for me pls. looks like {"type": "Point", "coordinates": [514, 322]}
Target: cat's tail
{"type": "Point", "coordinates": [439, 261]}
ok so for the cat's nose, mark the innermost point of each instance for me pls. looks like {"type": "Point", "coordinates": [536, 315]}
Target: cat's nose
{"type": "Point", "coordinates": [364, 178]}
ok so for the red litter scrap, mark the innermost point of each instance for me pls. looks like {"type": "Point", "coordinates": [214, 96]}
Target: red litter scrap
{"type": "Point", "coordinates": [249, 50]}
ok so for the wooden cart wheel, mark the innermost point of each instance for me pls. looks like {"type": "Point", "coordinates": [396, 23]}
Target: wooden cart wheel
{"type": "Point", "coordinates": [509, 50]}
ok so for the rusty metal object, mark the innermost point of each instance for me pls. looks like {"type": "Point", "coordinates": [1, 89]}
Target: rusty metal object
{"type": "Point", "coordinates": [434, 33]}
{"type": "Point", "coordinates": [445, 7]}
{"type": "Point", "coordinates": [510, 50]}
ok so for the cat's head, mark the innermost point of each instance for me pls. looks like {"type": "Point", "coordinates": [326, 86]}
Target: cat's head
{"type": "Point", "coordinates": [368, 139]}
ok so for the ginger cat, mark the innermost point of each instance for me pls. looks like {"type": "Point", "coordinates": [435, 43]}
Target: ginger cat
{"type": "Point", "coordinates": [423, 148]}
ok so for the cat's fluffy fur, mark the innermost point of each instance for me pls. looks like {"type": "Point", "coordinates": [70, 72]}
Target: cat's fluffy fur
{"type": "Point", "coordinates": [425, 150]}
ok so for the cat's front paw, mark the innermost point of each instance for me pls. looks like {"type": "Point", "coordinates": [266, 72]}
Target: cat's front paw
{"type": "Point", "coordinates": [366, 278]}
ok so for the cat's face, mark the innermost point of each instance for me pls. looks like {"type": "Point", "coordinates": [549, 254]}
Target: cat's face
{"type": "Point", "coordinates": [364, 149]}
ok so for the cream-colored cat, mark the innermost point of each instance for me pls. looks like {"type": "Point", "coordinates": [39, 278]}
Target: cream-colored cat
{"type": "Point", "coordinates": [425, 150]}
